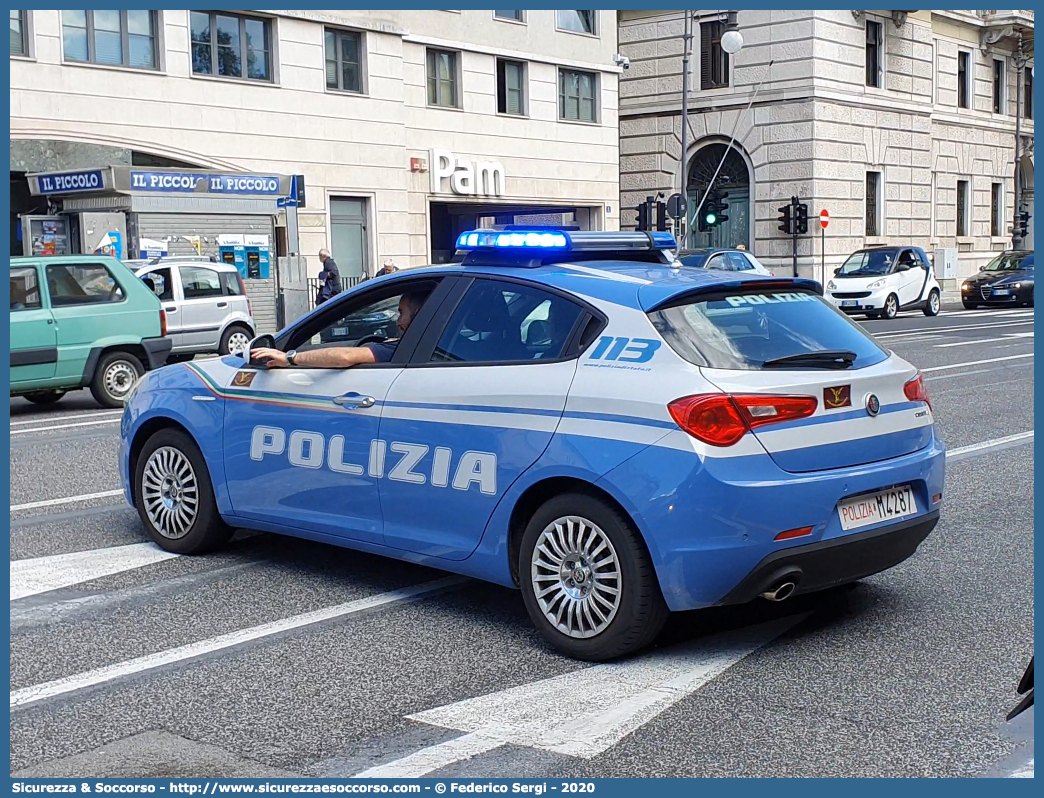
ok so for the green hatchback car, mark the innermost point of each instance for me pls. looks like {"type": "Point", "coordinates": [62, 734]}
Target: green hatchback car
{"type": "Point", "coordinates": [82, 321]}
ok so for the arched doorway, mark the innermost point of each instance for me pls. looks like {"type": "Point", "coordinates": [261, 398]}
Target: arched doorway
{"type": "Point", "coordinates": [734, 178]}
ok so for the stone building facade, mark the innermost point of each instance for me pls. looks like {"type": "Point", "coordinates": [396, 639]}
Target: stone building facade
{"type": "Point", "coordinates": [384, 113]}
{"type": "Point", "coordinates": [901, 125]}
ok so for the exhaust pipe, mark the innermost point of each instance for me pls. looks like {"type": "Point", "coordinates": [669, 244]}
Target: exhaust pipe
{"type": "Point", "coordinates": [780, 592]}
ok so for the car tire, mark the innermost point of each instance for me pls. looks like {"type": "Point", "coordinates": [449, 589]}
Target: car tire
{"type": "Point", "coordinates": [621, 625]}
{"type": "Point", "coordinates": [970, 305]}
{"type": "Point", "coordinates": [934, 304]}
{"type": "Point", "coordinates": [234, 340]}
{"type": "Point", "coordinates": [175, 497]}
{"type": "Point", "coordinates": [114, 376]}
{"type": "Point", "coordinates": [44, 397]}
{"type": "Point", "coordinates": [891, 307]}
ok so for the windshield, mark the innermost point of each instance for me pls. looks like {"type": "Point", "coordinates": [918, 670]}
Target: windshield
{"type": "Point", "coordinates": [744, 331]}
{"type": "Point", "coordinates": [1009, 262]}
{"type": "Point", "coordinates": [867, 263]}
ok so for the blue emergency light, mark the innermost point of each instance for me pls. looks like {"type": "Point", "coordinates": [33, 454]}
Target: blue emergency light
{"type": "Point", "coordinates": [571, 240]}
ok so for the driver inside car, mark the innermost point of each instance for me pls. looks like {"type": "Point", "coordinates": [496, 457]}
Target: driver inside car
{"type": "Point", "coordinates": [336, 357]}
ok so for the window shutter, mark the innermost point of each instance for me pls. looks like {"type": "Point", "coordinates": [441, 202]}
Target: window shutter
{"type": "Point", "coordinates": [706, 38]}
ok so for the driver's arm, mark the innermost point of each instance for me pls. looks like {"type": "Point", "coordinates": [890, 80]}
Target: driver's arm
{"type": "Point", "coordinates": [338, 357]}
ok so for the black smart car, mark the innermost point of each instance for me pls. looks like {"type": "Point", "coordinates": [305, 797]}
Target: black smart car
{"type": "Point", "coordinates": [1005, 280]}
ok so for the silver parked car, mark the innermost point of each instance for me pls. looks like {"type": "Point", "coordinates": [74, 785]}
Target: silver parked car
{"type": "Point", "coordinates": [206, 305]}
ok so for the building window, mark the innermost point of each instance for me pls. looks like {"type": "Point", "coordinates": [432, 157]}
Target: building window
{"type": "Point", "coordinates": [998, 86]}
{"type": "Point", "coordinates": [343, 61]}
{"type": "Point", "coordinates": [113, 38]}
{"type": "Point", "coordinates": [1027, 100]}
{"type": "Point", "coordinates": [19, 40]}
{"type": "Point", "coordinates": [442, 78]}
{"type": "Point", "coordinates": [963, 206]}
{"type": "Point", "coordinates": [873, 204]}
{"type": "Point", "coordinates": [963, 79]}
{"type": "Point", "coordinates": [515, 16]}
{"type": "Point", "coordinates": [231, 46]}
{"type": "Point", "coordinates": [714, 61]}
{"type": "Point", "coordinates": [997, 210]}
{"type": "Point", "coordinates": [577, 21]}
{"type": "Point", "coordinates": [511, 87]}
{"type": "Point", "coordinates": [874, 51]}
{"type": "Point", "coordinates": [576, 96]}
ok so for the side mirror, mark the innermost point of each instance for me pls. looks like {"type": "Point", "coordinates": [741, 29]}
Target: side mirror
{"type": "Point", "coordinates": [903, 267]}
{"type": "Point", "coordinates": [262, 341]}
{"type": "Point", "coordinates": [837, 271]}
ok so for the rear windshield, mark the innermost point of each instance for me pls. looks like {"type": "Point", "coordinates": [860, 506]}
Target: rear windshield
{"type": "Point", "coordinates": [743, 331]}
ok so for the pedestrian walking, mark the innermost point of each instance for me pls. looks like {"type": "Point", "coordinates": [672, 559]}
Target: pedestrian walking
{"type": "Point", "coordinates": [329, 278]}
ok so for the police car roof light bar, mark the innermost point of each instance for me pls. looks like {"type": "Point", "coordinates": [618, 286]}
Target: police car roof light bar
{"type": "Point", "coordinates": [564, 240]}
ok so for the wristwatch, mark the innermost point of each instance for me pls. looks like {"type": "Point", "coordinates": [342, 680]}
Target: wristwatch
{"type": "Point", "coordinates": [290, 356]}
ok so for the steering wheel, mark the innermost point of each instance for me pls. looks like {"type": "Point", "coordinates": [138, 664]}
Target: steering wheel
{"type": "Point", "coordinates": [371, 339]}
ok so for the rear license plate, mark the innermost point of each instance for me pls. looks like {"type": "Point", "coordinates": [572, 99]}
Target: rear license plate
{"type": "Point", "coordinates": [876, 508]}
{"type": "Point", "coordinates": [849, 303]}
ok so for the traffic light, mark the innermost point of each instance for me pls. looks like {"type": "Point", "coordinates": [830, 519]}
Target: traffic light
{"type": "Point", "coordinates": [643, 216]}
{"type": "Point", "coordinates": [661, 216]}
{"type": "Point", "coordinates": [801, 219]}
{"type": "Point", "coordinates": [1023, 224]}
{"type": "Point", "coordinates": [720, 206]}
{"type": "Point", "coordinates": [785, 221]}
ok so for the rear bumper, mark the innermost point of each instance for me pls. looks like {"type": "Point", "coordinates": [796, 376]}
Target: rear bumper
{"type": "Point", "coordinates": [156, 350]}
{"type": "Point", "coordinates": [828, 563]}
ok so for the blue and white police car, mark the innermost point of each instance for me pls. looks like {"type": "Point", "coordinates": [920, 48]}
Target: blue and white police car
{"type": "Point", "coordinates": [570, 413]}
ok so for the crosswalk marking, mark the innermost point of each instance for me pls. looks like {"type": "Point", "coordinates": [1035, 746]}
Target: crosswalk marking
{"type": "Point", "coordinates": [582, 713]}
{"type": "Point", "coordinates": [42, 574]}
{"type": "Point", "coordinates": [118, 670]}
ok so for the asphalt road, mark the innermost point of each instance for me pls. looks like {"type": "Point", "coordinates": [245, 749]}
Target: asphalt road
{"type": "Point", "coordinates": [282, 657]}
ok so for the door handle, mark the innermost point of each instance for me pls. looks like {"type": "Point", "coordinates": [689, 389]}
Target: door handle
{"type": "Point", "coordinates": [222, 304]}
{"type": "Point", "coordinates": [171, 309]}
{"type": "Point", "coordinates": [354, 400]}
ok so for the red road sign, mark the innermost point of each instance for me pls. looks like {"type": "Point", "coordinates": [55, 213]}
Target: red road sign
{"type": "Point", "coordinates": [824, 219]}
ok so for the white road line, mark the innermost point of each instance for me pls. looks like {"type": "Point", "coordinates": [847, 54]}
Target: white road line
{"type": "Point", "coordinates": [1025, 772]}
{"type": "Point", "coordinates": [65, 426]}
{"type": "Point", "coordinates": [85, 497]}
{"type": "Point", "coordinates": [1006, 337]}
{"type": "Point", "coordinates": [976, 362]}
{"type": "Point", "coordinates": [148, 662]}
{"type": "Point", "coordinates": [925, 330]}
{"type": "Point", "coordinates": [43, 574]}
{"type": "Point", "coordinates": [58, 417]}
{"type": "Point", "coordinates": [582, 713]}
{"type": "Point", "coordinates": [997, 443]}
{"type": "Point", "coordinates": [430, 759]}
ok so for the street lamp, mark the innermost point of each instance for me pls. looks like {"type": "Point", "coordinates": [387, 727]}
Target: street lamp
{"type": "Point", "coordinates": [731, 43]}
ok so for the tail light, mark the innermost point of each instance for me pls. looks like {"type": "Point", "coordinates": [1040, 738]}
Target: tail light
{"type": "Point", "coordinates": [163, 323]}
{"type": "Point", "coordinates": [916, 392]}
{"type": "Point", "coordinates": [722, 419]}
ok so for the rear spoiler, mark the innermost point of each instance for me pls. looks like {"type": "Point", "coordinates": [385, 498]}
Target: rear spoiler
{"type": "Point", "coordinates": [746, 286]}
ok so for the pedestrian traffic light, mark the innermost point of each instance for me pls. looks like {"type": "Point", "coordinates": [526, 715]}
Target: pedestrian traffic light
{"type": "Point", "coordinates": [643, 216]}
{"type": "Point", "coordinates": [801, 219]}
{"type": "Point", "coordinates": [785, 221]}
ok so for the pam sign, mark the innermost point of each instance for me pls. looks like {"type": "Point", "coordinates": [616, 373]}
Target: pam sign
{"type": "Point", "coordinates": [64, 182]}
{"type": "Point", "coordinates": [484, 178]}
{"type": "Point", "coordinates": [193, 182]}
